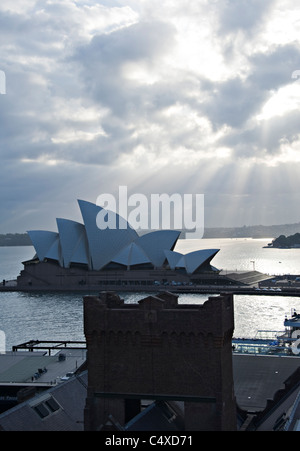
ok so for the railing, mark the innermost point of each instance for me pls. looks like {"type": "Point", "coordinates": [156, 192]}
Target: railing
{"type": "Point", "coordinates": [261, 347]}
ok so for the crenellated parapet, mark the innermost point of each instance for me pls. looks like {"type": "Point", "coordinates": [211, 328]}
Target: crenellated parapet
{"type": "Point", "coordinates": [159, 347]}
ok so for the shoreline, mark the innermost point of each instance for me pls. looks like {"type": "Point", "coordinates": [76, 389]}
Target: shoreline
{"type": "Point", "coordinates": [205, 289]}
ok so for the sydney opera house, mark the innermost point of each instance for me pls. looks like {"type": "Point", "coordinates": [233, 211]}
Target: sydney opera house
{"type": "Point", "coordinates": [81, 255]}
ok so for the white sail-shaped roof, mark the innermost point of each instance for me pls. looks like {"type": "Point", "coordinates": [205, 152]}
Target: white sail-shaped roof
{"type": "Point", "coordinates": [173, 258]}
{"type": "Point", "coordinates": [192, 261]}
{"type": "Point", "coordinates": [105, 237]}
{"type": "Point", "coordinates": [74, 246]}
{"type": "Point", "coordinates": [131, 255]}
{"type": "Point", "coordinates": [104, 244]}
{"type": "Point", "coordinates": [42, 241]}
{"type": "Point", "coordinates": [155, 243]}
{"type": "Point", "coordinates": [54, 252]}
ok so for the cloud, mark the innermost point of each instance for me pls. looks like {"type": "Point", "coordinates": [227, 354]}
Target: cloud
{"type": "Point", "coordinates": [109, 61]}
{"type": "Point", "coordinates": [244, 15]}
{"type": "Point", "coordinates": [177, 95]}
{"type": "Point", "coordinates": [273, 69]}
{"type": "Point", "coordinates": [266, 138]}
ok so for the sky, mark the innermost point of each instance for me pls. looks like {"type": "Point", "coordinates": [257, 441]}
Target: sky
{"type": "Point", "coordinates": [168, 96]}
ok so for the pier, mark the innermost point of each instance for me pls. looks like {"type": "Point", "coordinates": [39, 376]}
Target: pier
{"type": "Point", "coordinates": [239, 283]}
{"type": "Point", "coordinates": [180, 289]}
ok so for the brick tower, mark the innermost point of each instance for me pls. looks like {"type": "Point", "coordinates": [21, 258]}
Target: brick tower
{"type": "Point", "coordinates": [160, 348]}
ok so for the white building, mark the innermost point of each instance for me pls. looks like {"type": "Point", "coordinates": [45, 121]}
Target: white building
{"type": "Point", "coordinates": [120, 248]}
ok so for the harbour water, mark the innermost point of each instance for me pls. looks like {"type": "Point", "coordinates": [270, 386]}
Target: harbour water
{"type": "Point", "coordinates": [55, 316]}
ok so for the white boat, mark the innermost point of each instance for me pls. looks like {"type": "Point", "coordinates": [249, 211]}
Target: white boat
{"type": "Point", "coordinates": [286, 342]}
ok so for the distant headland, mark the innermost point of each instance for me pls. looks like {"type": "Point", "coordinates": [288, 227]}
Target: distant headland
{"type": "Point", "coordinates": [286, 242]}
{"type": "Point", "coordinates": [256, 231]}
{"type": "Point", "coordinates": [15, 239]}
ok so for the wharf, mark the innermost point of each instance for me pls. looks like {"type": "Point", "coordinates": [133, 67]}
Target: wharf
{"type": "Point", "coordinates": [235, 282]}
{"type": "Point", "coordinates": [200, 289]}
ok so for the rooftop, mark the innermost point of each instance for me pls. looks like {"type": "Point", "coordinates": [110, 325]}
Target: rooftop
{"type": "Point", "coordinates": [258, 377]}
{"type": "Point", "coordinates": [27, 368]}
{"type": "Point", "coordinates": [257, 380]}
{"type": "Point", "coordinates": [59, 408]}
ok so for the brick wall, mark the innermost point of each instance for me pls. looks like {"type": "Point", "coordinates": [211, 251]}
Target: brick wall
{"type": "Point", "coordinates": [160, 347]}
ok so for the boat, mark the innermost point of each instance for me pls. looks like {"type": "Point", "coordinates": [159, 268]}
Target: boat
{"type": "Point", "coordinates": [291, 335]}
{"type": "Point", "coordinates": [268, 342]}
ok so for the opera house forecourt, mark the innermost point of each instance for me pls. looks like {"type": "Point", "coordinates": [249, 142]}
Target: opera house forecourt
{"type": "Point", "coordinates": [81, 256]}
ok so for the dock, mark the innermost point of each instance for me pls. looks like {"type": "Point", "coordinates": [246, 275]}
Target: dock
{"type": "Point", "coordinates": [238, 283]}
